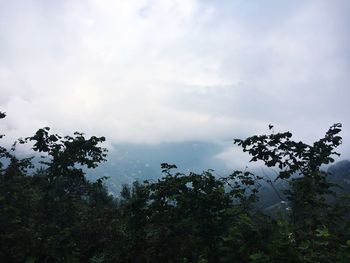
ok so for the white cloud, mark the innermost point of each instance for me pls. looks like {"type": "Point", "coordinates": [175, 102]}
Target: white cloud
{"type": "Point", "coordinates": [152, 71]}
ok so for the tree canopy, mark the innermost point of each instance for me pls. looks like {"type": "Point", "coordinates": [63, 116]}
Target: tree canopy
{"type": "Point", "coordinates": [51, 212]}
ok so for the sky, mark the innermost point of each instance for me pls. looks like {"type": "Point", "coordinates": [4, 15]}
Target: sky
{"type": "Point", "coordinates": [148, 72]}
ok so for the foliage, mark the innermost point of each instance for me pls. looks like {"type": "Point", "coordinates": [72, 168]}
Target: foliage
{"type": "Point", "coordinates": [52, 213]}
{"type": "Point", "coordinates": [312, 215]}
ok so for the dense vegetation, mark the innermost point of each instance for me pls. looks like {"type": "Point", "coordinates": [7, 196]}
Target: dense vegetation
{"type": "Point", "coordinates": [50, 212]}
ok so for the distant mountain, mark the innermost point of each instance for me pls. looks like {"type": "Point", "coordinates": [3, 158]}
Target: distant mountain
{"type": "Point", "coordinates": [130, 162]}
{"type": "Point", "coordinates": [340, 170]}
{"type": "Point", "coordinates": [340, 174]}
{"type": "Point", "coordinates": [271, 199]}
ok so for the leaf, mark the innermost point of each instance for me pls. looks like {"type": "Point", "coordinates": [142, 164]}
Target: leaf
{"type": "Point", "coordinates": [30, 260]}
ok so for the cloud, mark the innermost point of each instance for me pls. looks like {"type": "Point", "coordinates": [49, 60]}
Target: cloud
{"type": "Point", "coordinates": [163, 71]}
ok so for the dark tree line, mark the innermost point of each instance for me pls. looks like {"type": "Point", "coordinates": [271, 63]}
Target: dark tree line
{"type": "Point", "coordinates": [51, 213]}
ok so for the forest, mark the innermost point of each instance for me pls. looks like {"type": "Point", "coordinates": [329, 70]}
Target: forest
{"type": "Point", "coordinates": [51, 212]}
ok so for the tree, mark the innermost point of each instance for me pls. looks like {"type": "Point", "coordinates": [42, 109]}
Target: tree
{"type": "Point", "coordinates": [313, 216]}
{"type": "Point", "coordinates": [55, 214]}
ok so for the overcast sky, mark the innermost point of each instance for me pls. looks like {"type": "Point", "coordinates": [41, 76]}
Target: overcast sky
{"type": "Point", "coordinates": [168, 71]}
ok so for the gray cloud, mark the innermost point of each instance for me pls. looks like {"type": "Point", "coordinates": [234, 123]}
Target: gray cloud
{"type": "Point", "coordinates": [158, 71]}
